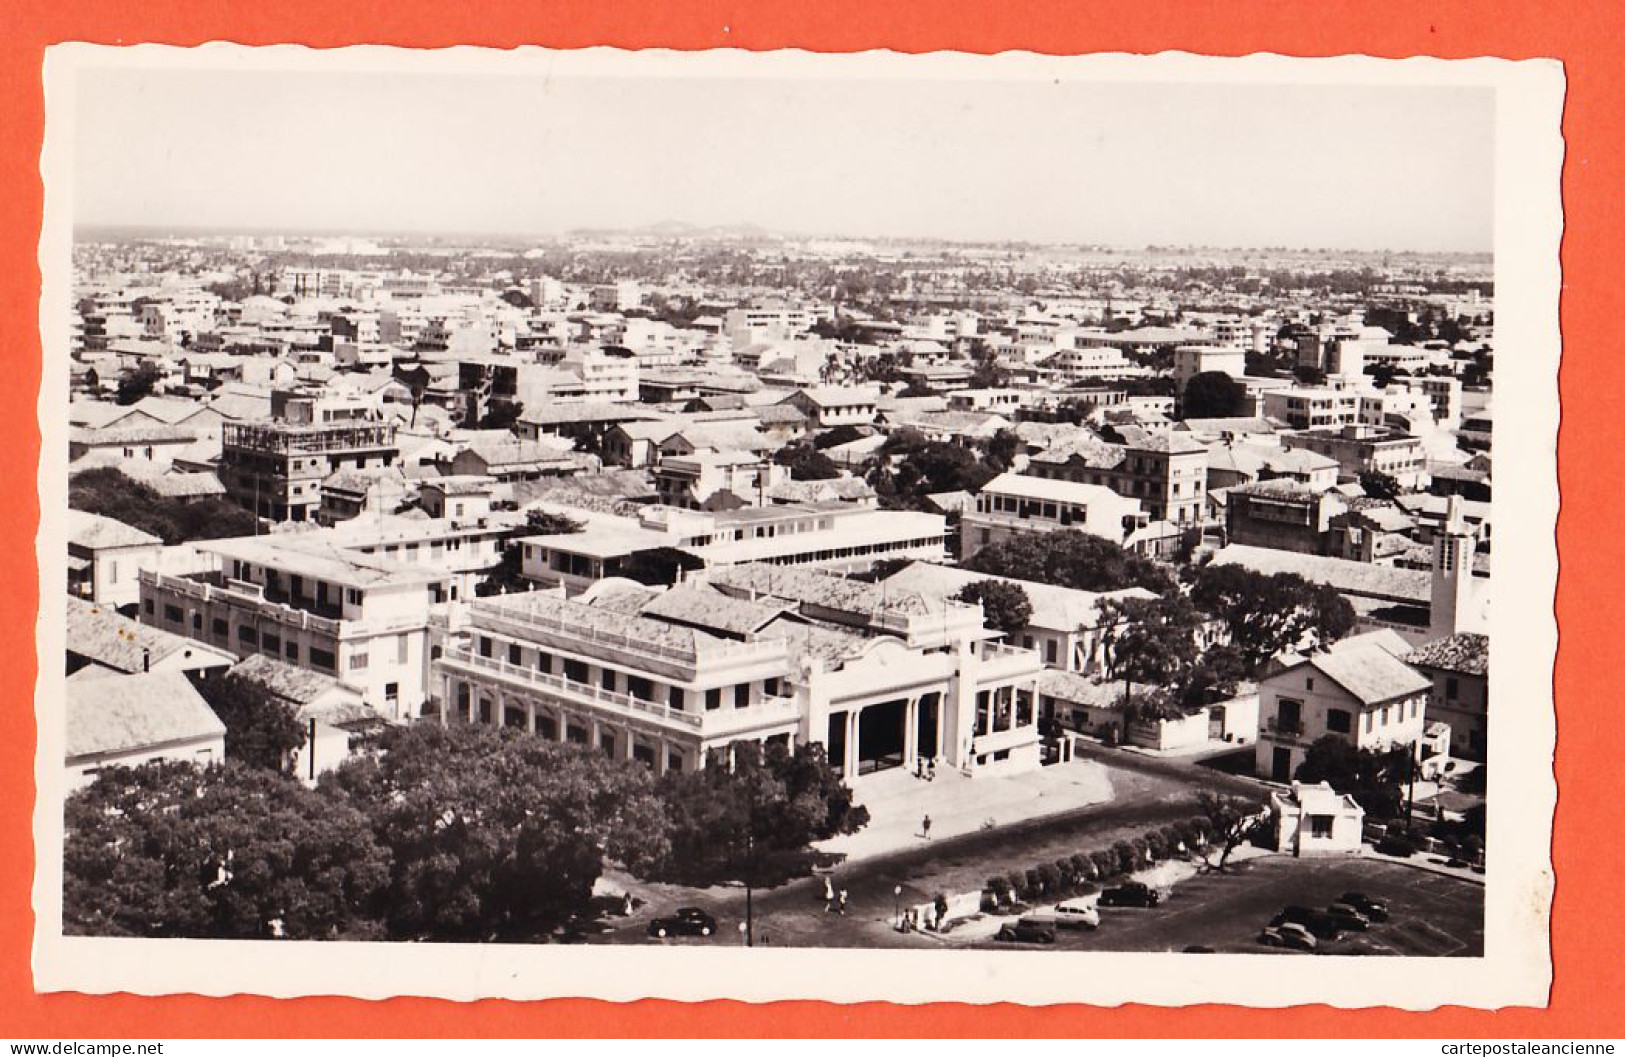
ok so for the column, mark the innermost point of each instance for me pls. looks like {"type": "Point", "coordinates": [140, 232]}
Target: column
{"type": "Point", "coordinates": [852, 741]}
{"type": "Point", "coordinates": [626, 749]}
{"type": "Point", "coordinates": [911, 732]}
{"type": "Point", "coordinates": [530, 717]}
{"type": "Point", "coordinates": [561, 726]}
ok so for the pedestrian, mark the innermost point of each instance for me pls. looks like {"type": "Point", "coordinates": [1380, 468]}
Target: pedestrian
{"type": "Point", "coordinates": [843, 901]}
{"type": "Point", "coordinates": [925, 827]}
{"type": "Point", "coordinates": [829, 890]}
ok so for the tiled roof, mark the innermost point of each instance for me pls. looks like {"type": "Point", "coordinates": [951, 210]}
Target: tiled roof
{"type": "Point", "coordinates": [1466, 653]}
{"type": "Point", "coordinates": [1349, 577]}
{"type": "Point", "coordinates": [1077, 689]}
{"type": "Point", "coordinates": [700, 605]}
{"type": "Point", "coordinates": [95, 532]}
{"type": "Point", "coordinates": [1054, 608]}
{"type": "Point", "coordinates": [1370, 673]}
{"type": "Point", "coordinates": [818, 588]}
{"type": "Point", "coordinates": [1086, 448]}
{"type": "Point", "coordinates": [99, 634]}
{"type": "Point", "coordinates": [130, 712]}
{"type": "Point", "coordinates": [299, 686]}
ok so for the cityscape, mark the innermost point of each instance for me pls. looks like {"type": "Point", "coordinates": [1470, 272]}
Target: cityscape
{"type": "Point", "coordinates": [694, 583]}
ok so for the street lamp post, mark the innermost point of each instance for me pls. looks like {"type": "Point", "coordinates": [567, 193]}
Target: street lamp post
{"type": "Point", "coordinates": [897, 905]}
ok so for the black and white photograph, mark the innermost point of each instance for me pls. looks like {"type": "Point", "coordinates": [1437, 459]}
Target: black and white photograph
{"type": "Point", "coordinates": [634, 524]}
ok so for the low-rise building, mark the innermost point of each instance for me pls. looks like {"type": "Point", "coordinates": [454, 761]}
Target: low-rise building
{"type": "Point", "coordinates": [1459, 666]}
{"type": "Point", "coordinates": [129, 720]}
{"type": "Point", "coordinates": [310, 603]}
{"type": "Point", "coordinates": [1362, 449]}
{"type": "Point", "coordinates": [881, 682]}
{"type": "Point", "coordinates": [1316, 820]}
{"type": "Point", "coordinates": [1357, 690]}
{"type": "Point", "coordinates": [104, 557]}
{"type": "Point", "coordinates": [837, 536]}
{"type": "Point", "coordinates": [1015, 504]}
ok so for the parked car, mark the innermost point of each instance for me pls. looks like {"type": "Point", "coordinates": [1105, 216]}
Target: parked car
{"type": "Point", "coordinates": [1133, 894]}
{"type": "Point", "coordinates": [1321, 924]}
{"type": "Point", "coordinates": [1290, 935]}
{"type": "Point", "coordinates": [1373, 909]}
{"type": "Point", "coordinates": [686, 921]}
{"type": "Point", "coordinates": [1027, 930]}
{"type": "Point", "coordinates": [1078, 914]}
{"type": "Point", "coordinates": [1349, 917]}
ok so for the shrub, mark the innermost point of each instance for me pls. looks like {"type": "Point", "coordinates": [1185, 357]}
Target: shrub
{"type": "Point", "coordinates": [1201, 829]}
{"type": "Point", "coordinates": [1035, 883]}
{"type": "Point", "coordinates": [1142, 851]}
{"type": "Point", "coordinates": [996, 887]}
{"type": "Point", "coordinates": [1016, 881]}
{"type": "Point", "coordinates": [1050, 878]}
{"type": "Point", "coordinates": [1108, 737]}
{"type": "Point", "coordinates": [1156, 845]}
{"type": "Point", "coordinates": [1082, 868]}
{"type": "Point", "coordinates": [1127, 859]}
{"type": "Point", "coordinates": [1106, 863]}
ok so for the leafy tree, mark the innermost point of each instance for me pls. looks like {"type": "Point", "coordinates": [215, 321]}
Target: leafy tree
{"type": "Point", "coordinates": [753, 822]}
{"type": "Point", "coordinates": [886, 568]}
{"type": "Point", "coordinates": [940, 467]}
{"type": "Point", "coordinates": [545, 523]}
{"type": "Point", "coordinates": [807, 463]}
{"type": "Point", "coordinates": [230, 852]}
{"type": "Point", "coordinates": [501, 414]}
{"type": "Point", "coordinates": [659, 566]}
{"type": "Point", "coordinates": [1213, 394]}
{"type": "Point", "coordinates": [1070, 559]}
{"type": "Point", "coordinates": [137, 384]}
{"type": "Point", "coordinates": [1267, 613]}
{"type": "Point", "coordinates": [1214, 677]}
{"type": "Point", "coordinates": [262, 730]}
{"type": "Point", "coordinates": [1005, 606]}
{"type": "Point", "coordinates": [1379, 485]}
{"type": "Point", "coordinates": [1002, 448]}
{"type": "Point", "coordinates": [111, 493]}
{"type": "Point", "coordinates": [1309, 375]}
{"type": "Point", "coordinates": [837, 436]}
{"type": "Point", "coordinates": [1375, 779]}
{"type": "Point", "coordinates": [1150, 640]}
{"type": "Point", "coordinates": [1231, 822]}
{"type": "Point", "coordinates": [495, 833]}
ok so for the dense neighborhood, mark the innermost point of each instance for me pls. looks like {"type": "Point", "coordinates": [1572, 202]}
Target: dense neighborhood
{"type": "Point", "coordinates": [673, 585]}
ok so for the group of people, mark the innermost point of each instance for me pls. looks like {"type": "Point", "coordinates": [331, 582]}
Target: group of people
{"type": "Point", "coordinates": [834, 902]}
{"type": "Point", "coordinates": [926, 769]}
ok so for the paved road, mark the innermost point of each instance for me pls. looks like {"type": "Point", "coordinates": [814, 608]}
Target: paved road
{"type": "Point", "coordinates": [1431, 915]}
{"type": "Point", "coordinates": [1148, 793]}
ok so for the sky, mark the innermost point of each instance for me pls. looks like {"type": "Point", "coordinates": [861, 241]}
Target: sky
{"type": "Point", "coordinates": [1321, 166]}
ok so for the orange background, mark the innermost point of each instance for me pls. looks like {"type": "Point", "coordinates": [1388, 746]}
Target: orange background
{"type": "Point", "coordinates": [1584, 34]}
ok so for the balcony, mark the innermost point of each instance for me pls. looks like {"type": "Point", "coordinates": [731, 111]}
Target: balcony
{"type": "Point", "coordinates": [523, 626]}
{"type": "Point", "coordinates": [624, 705]}
{"type": "Point", "coordinates": [1285, 729]}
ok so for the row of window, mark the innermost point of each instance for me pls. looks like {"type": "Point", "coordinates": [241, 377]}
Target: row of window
{"type": "Point", "coordinates": [640, 687]}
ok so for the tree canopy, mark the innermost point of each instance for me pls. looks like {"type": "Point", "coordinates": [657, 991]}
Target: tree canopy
{"type": "Point", "coordinates": [1373, 778]}
{"type": "Point", "coordinates": [109, 492]}
{"type": "Point", "coordinates": [234, 852]}
{"type": "Point", "coordinates": [1379, 485]}
{"type": "Point", "coordinates": [752, 823]}
{"type": "Point", "coordinates": [1070, 558]}
{"type": "Point", "coordinates": [807, 463]}
{"type": "Point", "coordinates": [1213, 394]}
{"type": "Point", "coordinates": [137, 383]}
{"type": "Point", "coordinates": [1267, 613]}
{"type": "Point", "coordinates": [1005, 606]}
{"type": "Point", "coordinates": [262, 730]}
{"type": "Point", "coordinates": [495, 833]}
{"type": "Point", "coordinates": [659, 566]}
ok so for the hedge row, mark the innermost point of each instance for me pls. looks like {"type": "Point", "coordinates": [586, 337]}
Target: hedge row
{"type": "Point", "coordinates": [1082, 872]}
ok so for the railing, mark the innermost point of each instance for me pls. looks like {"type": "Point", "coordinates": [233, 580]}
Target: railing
{"type": "Point", "coordinates": [1286, 728]}
{"type": "Point", "coordinates": [623, 704]}
{"type": "Point", "coordinates": [520, 625]}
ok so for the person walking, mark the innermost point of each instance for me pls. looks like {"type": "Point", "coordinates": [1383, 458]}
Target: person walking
{"type": "Point", "coordinates": [925, 827]}
{"type": "Point", "coordinates": [843, 902]}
